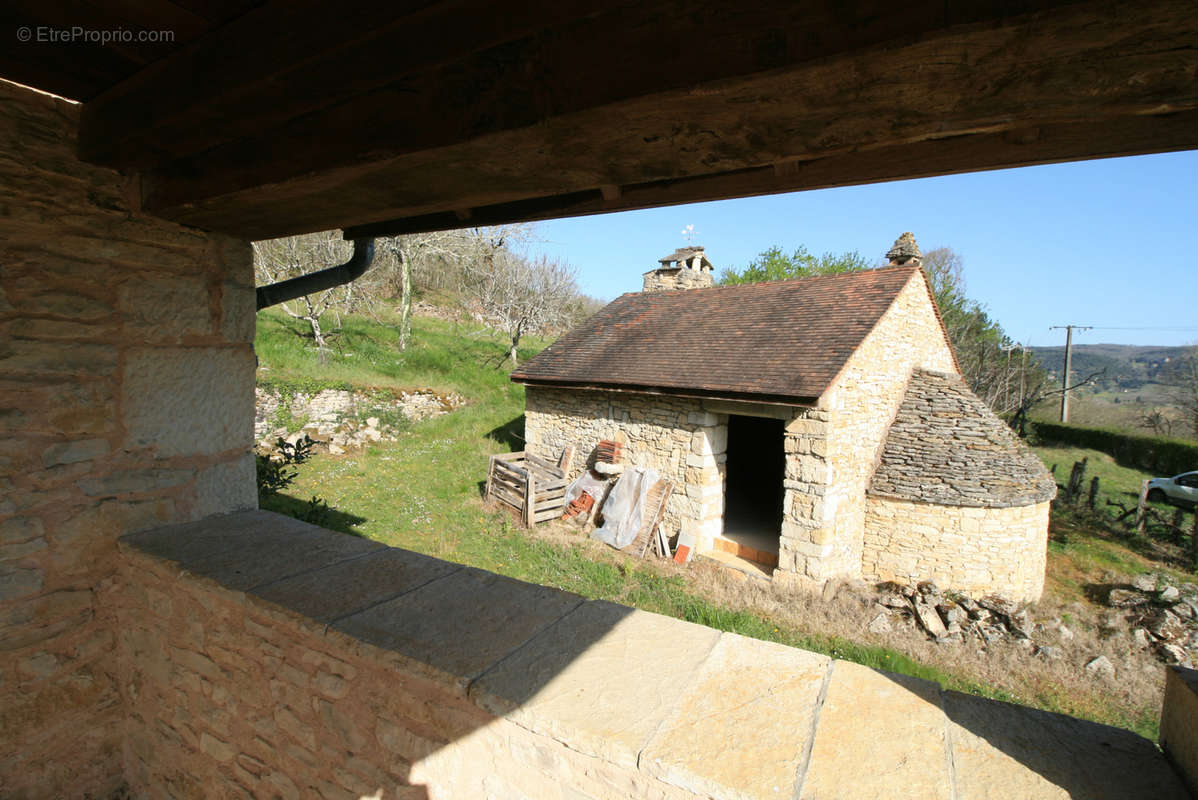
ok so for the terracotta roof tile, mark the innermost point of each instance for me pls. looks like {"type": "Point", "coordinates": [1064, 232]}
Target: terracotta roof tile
{"type": "Point", "coordinates": [780, 340]}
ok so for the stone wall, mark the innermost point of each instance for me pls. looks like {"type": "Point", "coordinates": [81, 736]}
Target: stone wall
{"type": "Point", "coordinates": [265, 657]}
{"type": "Point", "coordinates": [826, 535]}
{"type": "Point", "coordinates": [126, 402]}
{"type": "Point", "coordinates": [964, 548]}
{"type": "Point", "coordinates": [673, 435]}
{"type": "Point", "coordinates": [677, 279]}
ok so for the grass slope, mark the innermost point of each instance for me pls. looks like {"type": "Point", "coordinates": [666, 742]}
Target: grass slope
{"type": "Point", "coordinates": [423, 493]}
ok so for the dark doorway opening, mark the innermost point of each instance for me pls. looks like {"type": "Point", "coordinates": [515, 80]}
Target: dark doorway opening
{"type": "Point", "coordinates": [753, 491]}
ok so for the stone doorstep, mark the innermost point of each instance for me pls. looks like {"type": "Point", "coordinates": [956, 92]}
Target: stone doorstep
{"type": "Point", "coordinates": [717, 715]}
{"type": "Point", "coordinates": [765, 558]}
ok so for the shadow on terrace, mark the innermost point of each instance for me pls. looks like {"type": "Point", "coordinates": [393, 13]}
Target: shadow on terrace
{"type": "Point", "coordinates": [265, 652]}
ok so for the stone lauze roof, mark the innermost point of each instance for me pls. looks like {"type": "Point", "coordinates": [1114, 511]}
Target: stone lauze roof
{"type": "Point", "coordinates": [947, 447]}
{"type": "Point", "coordinates": [780, 340]}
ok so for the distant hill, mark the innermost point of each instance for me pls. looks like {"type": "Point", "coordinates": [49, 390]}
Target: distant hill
{"type": "Point", "coordinates": [1127, 366]}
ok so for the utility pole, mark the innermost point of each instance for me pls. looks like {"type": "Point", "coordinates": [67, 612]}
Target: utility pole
{"type": "Point", "coordinates": [1069, 329]}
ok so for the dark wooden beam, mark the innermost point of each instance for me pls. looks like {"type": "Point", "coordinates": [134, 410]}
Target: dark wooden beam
{"type": "Point", "coordinates": [284, 61]}
{"type": "Point", "coordinates": [1086, 68]}
{"type": "Point", "coordinates": [451, 70]}
{"type": "Point", "coordinates": [1049, 144]}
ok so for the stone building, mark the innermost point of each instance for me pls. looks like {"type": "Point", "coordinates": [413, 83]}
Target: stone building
{"type": "Point", "coordinates": [161, 637]}
{"type": "Point", "coordinates": [818, 427]}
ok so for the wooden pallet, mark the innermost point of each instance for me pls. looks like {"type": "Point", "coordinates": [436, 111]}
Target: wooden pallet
{"type": "Point", "coordinates": [655, 510]}
{"type": "Point", "coordinates": [534, 486]}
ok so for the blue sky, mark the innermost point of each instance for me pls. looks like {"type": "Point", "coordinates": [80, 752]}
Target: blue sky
{"type": "Point", "coordinates": [1111, 243]}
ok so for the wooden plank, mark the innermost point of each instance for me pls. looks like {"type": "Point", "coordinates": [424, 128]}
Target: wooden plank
{"type": "Point", "coordinates": [490, 475]}
{"type": "Point", "coordinates": [530, 492]}
{"type": "Point", "coordinates": [511, 486]}
{"type": "Point", "coordinates": [547, 466]}
{"type": "Point", "coordinates": [1019, 77]}
{"type": "Point", "coordinates": [511, 468]}
{"type": "Point", "coordinates": [655, 508]}
{"type": "Point", "coordinates": [1141, 505]}
{"type": "Point", "coordinates": [511, 499]}
{"type": "Point", "coordinates": [228, 74]}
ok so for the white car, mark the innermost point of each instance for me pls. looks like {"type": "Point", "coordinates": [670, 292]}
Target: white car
{"type": "Point", "coordinates": [1180, 490]}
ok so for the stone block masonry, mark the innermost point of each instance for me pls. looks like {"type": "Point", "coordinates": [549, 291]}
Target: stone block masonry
{"type": "Point", "coordinates": [262, 657]}
{"type": "Point", "coordinates": [966, 548]}
{"type": "Point", "coordinates": [825, 534]}
{"type": "Point", "coordinates": [673, 435]}
{"type": "Point", "coordinates": [126, 402]}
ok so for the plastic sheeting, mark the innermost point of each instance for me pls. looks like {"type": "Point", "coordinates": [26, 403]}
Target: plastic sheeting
{"type": "Point", "coordinates": [586, 482]}
{"type": "Point", "coordinates": [625, 507]}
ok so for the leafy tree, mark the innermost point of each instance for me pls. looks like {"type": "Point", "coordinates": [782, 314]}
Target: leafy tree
{"type": "Point", "coordinates": [774, 264]}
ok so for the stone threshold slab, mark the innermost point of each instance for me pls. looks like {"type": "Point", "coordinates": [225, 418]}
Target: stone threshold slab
{"type": "Point", "coordinates": [704, 713]}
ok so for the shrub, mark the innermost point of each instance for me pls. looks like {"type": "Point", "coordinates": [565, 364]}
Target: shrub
{"type": "Point", "coordinates": [277, 471]}
{"type": "Point", "coordinates": [1150, 453]}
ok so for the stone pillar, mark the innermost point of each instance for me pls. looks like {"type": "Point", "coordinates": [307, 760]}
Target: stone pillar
{"type": "Point", "coordinates": [126, 402]}
{"type": "Point", "coordinates": [805, 545]}
{"type": "Point", "coordinates": [705, 474]}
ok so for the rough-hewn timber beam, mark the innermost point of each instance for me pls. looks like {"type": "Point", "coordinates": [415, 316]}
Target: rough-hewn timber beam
{"type": "Point", "coordinates": [525, 149]}
{"type": "Point", "coordinates": [970, 153]}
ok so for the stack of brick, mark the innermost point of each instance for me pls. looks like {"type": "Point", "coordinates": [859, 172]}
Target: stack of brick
{"type": "Point", "coordinates": [609, 452]}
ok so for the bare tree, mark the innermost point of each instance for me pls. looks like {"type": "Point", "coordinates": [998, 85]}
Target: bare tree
{"type": "Point", "coordinates": [439, 252]}
{"type": "Point", "coordinates": [446, 260]}
{"type": "Point", "coordinates": [279, 259]}
{"type": "Point", "coordinates": [521, 295]}
{"type": "Point", "coordinates": [1158, 420]}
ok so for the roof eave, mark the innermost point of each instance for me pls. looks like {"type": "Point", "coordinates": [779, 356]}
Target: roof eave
{"type": "Point", "coordinates": [697, 393]}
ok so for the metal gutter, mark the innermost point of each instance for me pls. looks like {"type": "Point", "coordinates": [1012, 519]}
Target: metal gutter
{"type": "Point", "coordinates": [339, 275]}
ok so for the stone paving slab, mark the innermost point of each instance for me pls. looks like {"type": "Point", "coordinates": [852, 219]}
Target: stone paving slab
{"type": "Point", "coordinates": [348, 587]}
{"type": "Point", "coordinates": [743, 728]}
{"type": "Point", "coordinates": [716, 715]}
{"type": "Point", "coordinates": [879, 736]}
{"type": "Point", "coordinates": [454, 628]}
{"type": "Point", "coordinates": [251, 548]}
{"type": "Point", "coordinates": [602, 680]}
{"type": "Point", "coordinates": [1008, 751]}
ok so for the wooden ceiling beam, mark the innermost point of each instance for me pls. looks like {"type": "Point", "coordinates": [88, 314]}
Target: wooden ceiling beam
{"type": "Point", "coordinates": [1073, 69]}
{"type": "Point", "coordinates": [281, 62]}
{"type": "Point", "coordinates": [1049, 144]}
{"type": "Point", "coordinates": [396, 77]}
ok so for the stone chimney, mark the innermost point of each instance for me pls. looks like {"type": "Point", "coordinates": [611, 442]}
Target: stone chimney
{"type": "Point", "coordinates": [685, 268]}
{"type": "Point", "coordinates": [905, 251]}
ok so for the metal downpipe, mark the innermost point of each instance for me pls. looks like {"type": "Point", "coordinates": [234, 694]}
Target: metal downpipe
{"type": "Point", "coordinates": [339, 275]}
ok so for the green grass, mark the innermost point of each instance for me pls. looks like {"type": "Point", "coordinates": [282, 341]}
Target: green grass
{"type": "Point", "coordinates": [1114, 481]}
{"type": "Point", "coordinates": [423, 492]}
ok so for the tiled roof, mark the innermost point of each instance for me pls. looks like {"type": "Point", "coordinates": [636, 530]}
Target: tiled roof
{"type": "Point", "coordinates": [780, 341]}
{"type": "Point", "coordinates": [947, 447]}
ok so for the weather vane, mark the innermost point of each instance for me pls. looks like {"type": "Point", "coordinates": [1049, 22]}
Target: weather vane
{"type": "Point", "coordinates": [688, 233]}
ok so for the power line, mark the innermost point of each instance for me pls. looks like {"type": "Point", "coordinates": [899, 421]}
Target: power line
{"type": "Point", "coordinates": [1140, 328]}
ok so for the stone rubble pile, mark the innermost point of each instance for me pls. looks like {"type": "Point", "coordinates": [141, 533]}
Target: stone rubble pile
{"type": "Point", "coordinates": [946, 618]}
{"type": "Point", "coordinates": [1162, 615]}
{"type": "Point", "coordinates": [957, 618]}
{"type": "Point", "coordinates": [339, 420]}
